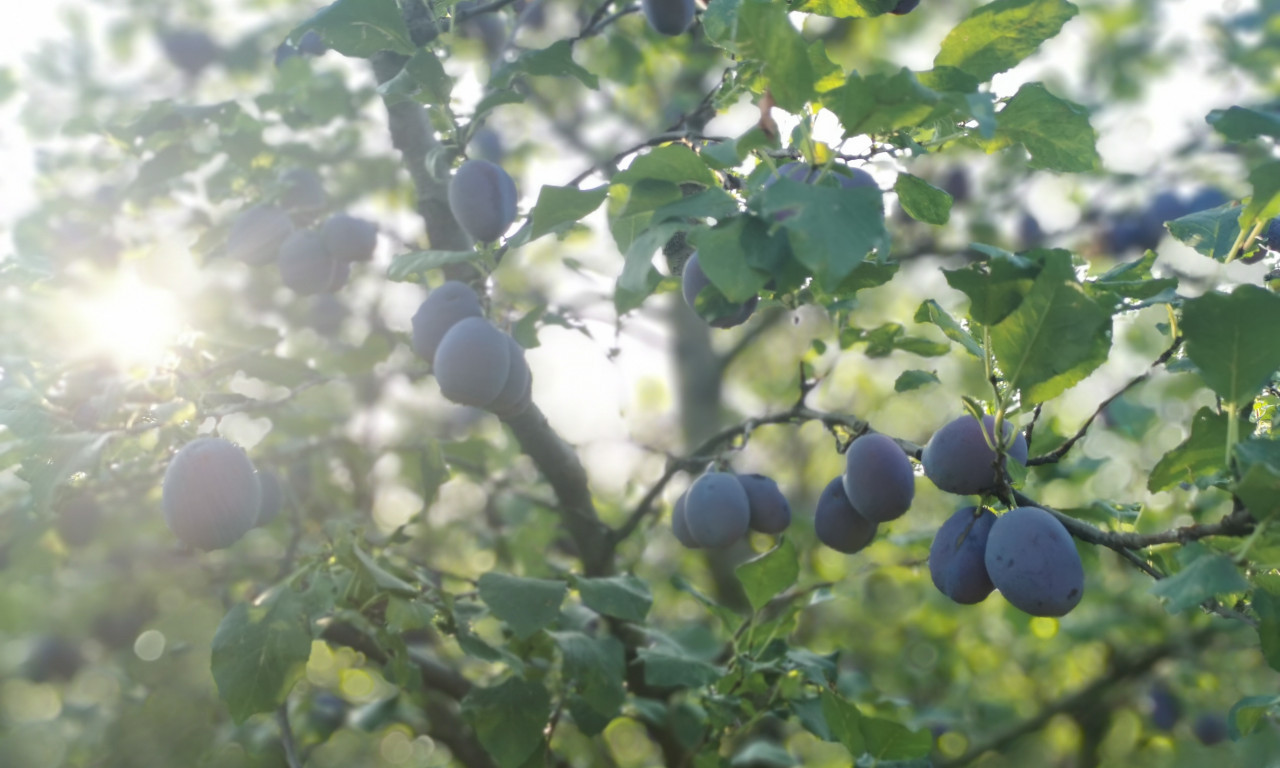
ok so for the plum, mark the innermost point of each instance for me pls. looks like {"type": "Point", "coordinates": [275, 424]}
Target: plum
{"type": "Point", "coordinates": [482, 197]}
{"type": "Point", "coordinates": [516, 394]}
{"type": "Point", "coordinates": [1033, 561]}
{"type": "Point", "coordinates": [211, 496]}
{"type": "Point", "coordinates": [878, 479]}
{"type": "Point", "coordinates": [836, 522]}
{"type": "Point", "coordinates": [472, 362]}
{"type": "Point", "coordinates": [486, 144]}
{"type": "Point", "coordinates": [269, 508]}
{"type": "Point", "coordinates": [53, 657]}
{"type": "Point", "coordinates": [958, 460]}
{"type": "Point", "coordinates": [668, 17]}
{"type": "Point", "coordinates": [327, 314]}
{"type": "Point", "coordinates": [302, 190]}
{"type": "Point", "coordinates": [1210, 728]}
{"type": "Point", "coordinates": [312, 43]}
{"type": "Point", "coordinates": [190, 50]}
{"type": "Point", "coordinates": [904, 7]}
{"type": "Point", "coordinates": [717, 510]}
{"type": "Point", "coordinates": [307, 267]}
{"type": "Point", "coordinates": [770, 511]}
{"type": "Point", "coordinates": [284, 52]}
{"type": "Point", "coordinates": [257, 234]}
{"type": "Point", "coordinates": [78, 520]}
{"type": "Point", "coordinates": [1166, 709]}
{"type": "Point", "coordinates": [445, 306]}
{"type": "Point", "coordinates": [350, 238]}
{"type": "Point", "coordinates": [680, 523]}
{"type": "Point", "coordinates": [694, 283]}
{"type": "Point", "coordinates": [957, 558]}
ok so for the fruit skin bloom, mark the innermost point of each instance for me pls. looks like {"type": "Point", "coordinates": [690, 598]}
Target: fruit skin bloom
{"type": "Point", "coordinates": [211, 494]}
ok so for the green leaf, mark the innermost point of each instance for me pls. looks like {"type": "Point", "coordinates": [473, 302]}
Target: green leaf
{"type": "Point", "coordinates": [867, 274]}
{"type": "Point", "coordinates": [1265, 202]}
{"type": "Point", "coordinates": [876, 104]}
{"type": "Point", "coordinates": [384, 579]}
{"type": "Point", "coordinates": [1211, 232]}
{"type": "Point", "coordinates": [769, 574]}
{"type": "Point", "coordinates": [1258, 461]}
{"type": "Point", "coordinates": [596, 667]}
{"type": "Point", "coordinates": [1267, 606]}
{"type": "Point", "coordinates": [259, 652]}
{"type": "Point", "coordinates": [1207, 576]}
{"type": "Point", "coordinates": [526, 605]}
{"type": "Point", "coordinates": [1055, 131]}
{"type": "Point", "coordinates": [638, 275]}
{"type": "Point", "coordinates": [921, 200]}
{"type": "Point", "coordinates": [412, 267]}
{"type": "Point", "coordinates": [361, 28]}
{"type": "Point", "coordinates": [765, 34]}
{"type": "Point", "coordinates": [1230, 339]}
{"type": "Point", "coordinates": [624, 597]}
{"type": "Point", "coordinates": [668, 669]}
{"type": "Point", "coordinates": [277, 370]}
{"type": "Point", "coordinates": [675, 163]}
{"type": "Point", "coordinates": [1201, 455]}
{"type": "Point", "coordinates": [728, 252]}
{"type": "Point", "coordinates": [844, 721]}
{"type": "Point", "coordinates": [1250, 712]}
{"type": "Point", "coordinates": [1133, 279]}
{"type": "Point", "coordinates": [998, 35]}
{"type": "Point", "coordinates": [713, 203]}
{"type": "Point", "coordinates": [1056, 336]}
{"type": "Point", "coordinates": [884, 339]}
{"type": "Point", "coordinates": [831, 229]}
{"type": "Point", "coordinates": [931, 312]}
{"type": "Point", "coordinates": [509, 719]}
{"type": "Point", "coordinates": [558, 206]}
{"type": "Point", "coordinates": [914, 379]}
{"type": "Point", "coordinates": [995, 287]}
{"type": "Point", "coordinates": [1245, 123]}
{"type": "Point", "coordinates": [555, 60]}
{"type": "Point", "coordinates": [847, 9]}
{"type": "Point", "coordinates": [422, 77]}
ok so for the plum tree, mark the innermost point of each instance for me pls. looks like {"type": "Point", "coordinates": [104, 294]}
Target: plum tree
{"type": "Point", "coordinates": [257, 233]}
{"type": "Point", "coordinates": [957, 558]}
{"type": "Point", "coordinates": [472, 362]}
{"type": "Point", "coordinates": [78, 519]}
{"type": "Point", "coordinates": [517, 391]}
{"type": "Point", "coordinates": [717, 510]}
{"type": "Point", "coordinates": [302, 191]}
{"type": "Point", "coordinates": [837, 524]}
{"type": "Point", "coordinates": [1033, 561]}
{"type": "Point", "coordinates": [668, 17]}
{"type": "Point", "coordinates": [1210, 728]}
{"type": "Point", "coordinates": [680, 523]}
{"type": "Point", "coordinates": [705, 299]}
{"type": "Point", "coordinates": [269, 508]}
{"type": "Point", "coordinates": [904, 7]}
{"type": "Point", "coordinates": [878, 479]}
{"type": "Point", "coordinates": [210, 495]}
{"type": "Point", "coordinates": [482, 197]}
{"type": "Point", "coordinates": [307, 266]}
{"type": "Point", "coordinates": [350, 238]}
{"type": "Point", "coordinates": [443, 308]}
{"type": "Point", "coordinates": [190, 50]}
{"type": "Point", "coordinates": [958, 459]}
{"type": "Point", "coordinates": [770, 511]}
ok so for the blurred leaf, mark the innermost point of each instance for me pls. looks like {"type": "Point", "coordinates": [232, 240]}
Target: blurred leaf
{"type": "Point", "coordinates": [1133, 279]}
{"type": "Point", "coordinates": [1267, 606]}
{"type": "Point", "coordinates": [763, 754]}
{"type": "Point", "coordinates": [1201, 455]}
{"type": "Point", "coordinates": [998, 35]}
{"type": "Point", "coordinates": [276, 370]}
{"type": "Point", "coordinates": [881, 103]}
{"type": "Point", "coordinates": [384, 579]}
{"type": "Point", "coordinates": [847, 9]}
{"type": "Point", "coordinates": [1206, 577]}
{"type": "Point", "coordinates": [884, 339]}
{"type": "Point", "coordinates": [259, 652]}
{"type": "Point", "coordinates": [844, 721]}
{"type": "Point", "coordinates": [509, 719]}
{"type": "Point", "coordinates": [1055, 131]}
{"type": "Point", "coordinates": [1258, 462]}
{"type": "Point", "coordinates": [931, 312]}
{"type": "Point", "coordinates": [763, 33]}
{"type": "Point", "coordinates": [559, 206]}
{"type": "Point", "coordinates": [669, 669]}
{"type": "Point", "coordinates": [1224, 340]}
{"type": "Point", "coordinates": [1250, 712]}
{"type": "Point", "coordinates": [412, 267]}
{"type": "Point", "coordinates": [914, 379]}
{"type": "Point", "coordinates": [712, 203]}
{"type": "Point", "coordinates": [555, 60]}
{"type": "Point", "coordinates": [675, 163]}
{"type": "Point", "coordinates": [921, 200]}
{"type": "Point", "coordinates": [422, 77]}
{"type": "Point", "coordinates": [769, 574]}
{"type": "Point", "coordinates": [624, 597]}
{"type": "Point", "coordinates": [831, 229]}
{"type": "Point", "coordinates": [526, 605]}
{"type": "Point", "coordinates": [1245, 123]}
{"type": "Point", "coordinates": [1265, 202]}
{"type": "Point", "coordinates": [596, 667]}
{"type": "Point", "coordinates": [995, 287]}
{"type": "Point", "coordinates": [728, 252]}
{"type": "Point", "coordinates": [360, 28]}
{"type": "Point", "coordinates": [1211, 232]}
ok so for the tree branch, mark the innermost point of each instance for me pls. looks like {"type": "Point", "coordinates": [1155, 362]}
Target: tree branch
{"type": "Point", "coordinates": [1236, 523]}
{"type": "Point", "coordinates": [286, 737]}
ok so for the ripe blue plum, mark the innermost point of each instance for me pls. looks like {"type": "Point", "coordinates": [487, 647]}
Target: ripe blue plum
{"type": "Point", "coordinates": [486, 144]}
{"type": "Point", "coordinates": [1034, 563]}
{"type": "Point", "coordinates": [770, 510]}
{"type": "Point", "coordinates": [904, 7]}
{"type": "Point", "coordinates": [307, 266]}
{"type": "Point", "coordinates": [878, 479]}
{"type": "Point", "coordinates": [302, 190]}
{"type": "Point", "coordinates": [327, 713]}
{"type": "Point", "coordinates": [1271, 235]}
{"type": "Point", "coordinates": [694, 283]}
{"type": "Point", "coordinates": [668, 17]}
{"type": "Point", "coordinates": [53, 657]}
{"type": "Point", "coordinates": [517, 393]}
{"type": "Point", "coordinates": [284, 52]}
{"type": "Point", "coordinates": [1210, 728]}
{"type": "Point", "coordinates": [836, 522]}
{"type": "Point", "coordinates": [78, 520]}
{"type": "Point", "coordinates": [717, 510]}
{"type": "Point", "coordinates": [1204, 199]}
{"type": "Point", "coordinates": [680, 523]}
{"type": "Point", "coordinates": [350, 238]}
{"type": "Point", "coordinates": [190, 50]}
{"type": "Point", "coordinates": [257, 234]}
{"type": "Point", "coordinates": [958, 460]}
{"type": "Point", "coordinates": [312, 43]}
{"type": "Point", "coordinates": [957, 559]}
{"type": "Point", "coordinates": [482, 197]}
{"type": "Point", "coordinates": [327, 314]}
{"type": "Point", "coordinates": [211, 496]}
{"type": "Point", "coordinates": [269, 508]}
{"type": "Point", "coordinates": [472, 362]}
{"type": "Point", "coordinates": [443, 308]}
{"type": "Point", "coordinates": [1166, 709]}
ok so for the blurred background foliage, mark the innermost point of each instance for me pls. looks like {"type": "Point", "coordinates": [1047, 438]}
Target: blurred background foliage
{"type": "Point", "coordinates": [135, 334]}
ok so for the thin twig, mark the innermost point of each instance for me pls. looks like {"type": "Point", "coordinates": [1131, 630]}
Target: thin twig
{"type": "Point", "coordinates": [286, 737]}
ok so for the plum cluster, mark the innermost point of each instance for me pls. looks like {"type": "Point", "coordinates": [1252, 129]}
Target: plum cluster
{"type": "Point", "coordinates": [1142, 229]}
{"type": "Point", "coordinates": [878, 485]}
{"type": "Point", "coordinates": [212, 495]}
{"type": "Point", "coordinates": [474, 363]}
{"type": "Point", "coordinates": [721, 507]}
{"type": "Point", "coordinates": [482, 198]}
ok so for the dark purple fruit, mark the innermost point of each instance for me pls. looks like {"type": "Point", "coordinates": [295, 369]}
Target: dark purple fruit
{"type": "Point", "coordinates": [472, 362]}
{"type": "Point", "coordinates": [257, 234]}
{"type": "Point", "coordinates": [878, 479]}
{"type": "Point", "coordinates": [770, 510]}
{"type": "Point", "coordinates": [668, 17]}
{"type": "Point", "coordinates": [350, 238]}
{"type": "Point", "coordinates": [837, 524]}
{"type": "Point", "coordinates": [444, 307]}
{"type": "Point", "coordinates": [211, 495]}
{"type": "Point", "coordinates": [1033, 561]}
{"type": "Point", "coordinates": [958, 460]}
{"type": "Point", "coordinates": [482, 197]}
{"type": "Point", "coordinates": [957, 559]}
{"type": "Point", "coordinates": [680, 524]}
{"type": "Point", "coordinates": [717, 510]}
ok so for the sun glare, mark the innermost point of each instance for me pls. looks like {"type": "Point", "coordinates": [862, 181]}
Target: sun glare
{"type": "Point", "coordinates": [132, 322]}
